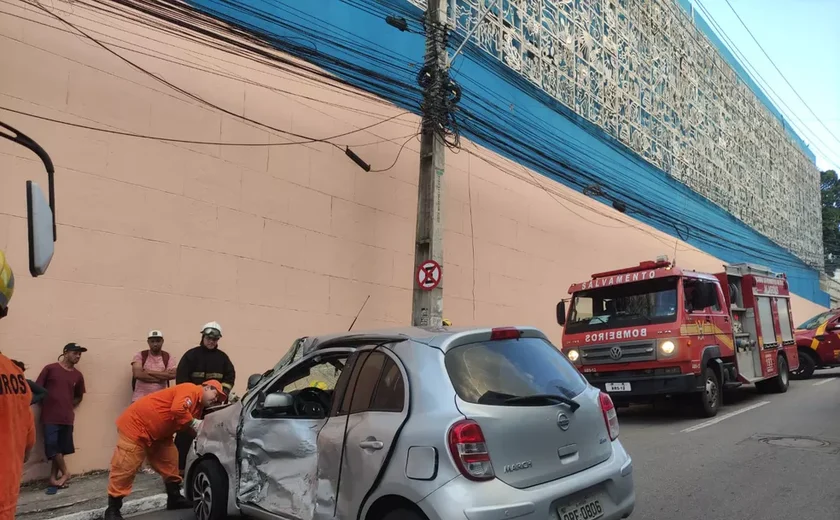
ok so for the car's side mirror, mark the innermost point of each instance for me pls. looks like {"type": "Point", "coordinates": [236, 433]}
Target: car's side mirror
{"type": "Point", "coordinates": [278, 402]}
{"type": "Point", "coordinates": [561, 313]}
{"type": "Point", "coordinates": [253, 380]}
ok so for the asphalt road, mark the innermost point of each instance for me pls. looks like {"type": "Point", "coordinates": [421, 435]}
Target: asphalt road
{"type": "Point", "coordinates": [767, 457]}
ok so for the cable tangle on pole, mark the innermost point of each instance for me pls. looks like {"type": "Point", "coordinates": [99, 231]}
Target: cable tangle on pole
{"type": "Point", "coordinates": [440, 93]}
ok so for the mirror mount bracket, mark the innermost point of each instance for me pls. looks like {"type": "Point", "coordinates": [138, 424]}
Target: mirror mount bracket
{"type": "Point", "coordinates": [29, 143]}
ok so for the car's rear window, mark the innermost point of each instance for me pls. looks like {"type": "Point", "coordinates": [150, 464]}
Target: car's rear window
{"type": "Point", "coordinates": [494, 371]}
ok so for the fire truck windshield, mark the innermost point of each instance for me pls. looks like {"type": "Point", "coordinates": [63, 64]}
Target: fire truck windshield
{"type": "Point", "coordinates": [624, 305]}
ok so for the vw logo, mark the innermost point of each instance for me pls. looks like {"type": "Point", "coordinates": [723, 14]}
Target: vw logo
{"type": "Point", "coordinates": [615, 352]}
{"type": "Point", "coordinates": [563, 422]}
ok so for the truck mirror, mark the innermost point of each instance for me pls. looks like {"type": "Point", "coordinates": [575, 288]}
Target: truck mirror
{"type": "Point", "coordinates": [39, 220]}
{"type": "Point", "coordinates": [40, 214]}
{"type": "Point", "coordinates": [561, 313]}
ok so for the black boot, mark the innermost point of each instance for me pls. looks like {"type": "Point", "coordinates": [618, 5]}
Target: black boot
{"type": "Point", "coordinates": [174, 498]}
{"type": "Point", "coordinates": [113, 510]}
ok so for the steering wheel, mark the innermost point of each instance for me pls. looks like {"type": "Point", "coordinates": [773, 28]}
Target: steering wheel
{"type": "Point", "coordinates": [311, 402]}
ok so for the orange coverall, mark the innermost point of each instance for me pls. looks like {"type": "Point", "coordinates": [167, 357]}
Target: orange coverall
{"type": "Point", "coordinates": [17, 431]}
{"type": "Point", "coordinates": [146, 429]}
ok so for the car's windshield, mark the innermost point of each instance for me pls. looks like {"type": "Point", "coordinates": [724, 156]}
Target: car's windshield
{"type": "Point", "coordinates": [816, 321]}
{"type": "Point", "coordinates": [624, 305]}
{"type": "Point", "coordinates": [291, 355]}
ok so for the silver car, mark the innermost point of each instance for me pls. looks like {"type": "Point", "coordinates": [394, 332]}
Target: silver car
{"type": "Point", "coordinates": [409, 424]}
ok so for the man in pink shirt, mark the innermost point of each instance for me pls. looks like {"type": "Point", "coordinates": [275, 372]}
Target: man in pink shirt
{"type": "Point", "coordinates": [152, 369]}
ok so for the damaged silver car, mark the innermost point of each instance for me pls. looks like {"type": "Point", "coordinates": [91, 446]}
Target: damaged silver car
{"type": "Point", "coordinates": [413, 424]}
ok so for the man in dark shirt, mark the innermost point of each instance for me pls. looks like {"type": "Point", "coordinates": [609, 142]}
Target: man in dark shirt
{"type": "Point", "coordinates": [65, 387]}
{"type": "Point", "coordinates": [200, 364]}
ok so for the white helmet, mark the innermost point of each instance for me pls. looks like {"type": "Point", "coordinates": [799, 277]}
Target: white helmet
{"type": "Point", "coordinates": [211, 329]}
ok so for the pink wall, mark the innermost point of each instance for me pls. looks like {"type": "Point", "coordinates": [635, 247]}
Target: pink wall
{"type": "Point", "coordinates": [273, 242]}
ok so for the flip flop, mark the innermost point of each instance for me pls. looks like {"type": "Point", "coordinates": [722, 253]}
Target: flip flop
{"type": "Point", "coordinates": [64, 486]}
{"type": "Point", "coordinates": [52, 490]}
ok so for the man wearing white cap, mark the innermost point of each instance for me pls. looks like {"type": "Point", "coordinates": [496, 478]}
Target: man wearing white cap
{"type": "Point", "coordinates": [152, 369]}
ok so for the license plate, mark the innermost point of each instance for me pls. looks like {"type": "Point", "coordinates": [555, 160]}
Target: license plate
{"type": "Point", "coordinates": [588, 509]}
{"type": "Point", "coordinates": [618, 387]}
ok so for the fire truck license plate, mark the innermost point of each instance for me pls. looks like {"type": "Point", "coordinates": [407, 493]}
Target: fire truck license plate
{"type": "Point", "coordinates": [589, 509]}
{"type": "Point", "coordinates": [618, 387]}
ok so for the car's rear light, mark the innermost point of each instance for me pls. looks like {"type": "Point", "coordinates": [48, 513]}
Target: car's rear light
{"type": "Point", "coordinates": [504, 333]}
{"type": "Point", "coordinates": [469, 450]}
{"type": "Point", "coordinates": [610, 415]}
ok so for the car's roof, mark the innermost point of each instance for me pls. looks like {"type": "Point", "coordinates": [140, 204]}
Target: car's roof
{"type": "Point", "coordinates": [433, 336]}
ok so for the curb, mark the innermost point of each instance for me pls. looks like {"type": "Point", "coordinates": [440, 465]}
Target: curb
{"type": "Point", "coordinates": [130, 507]}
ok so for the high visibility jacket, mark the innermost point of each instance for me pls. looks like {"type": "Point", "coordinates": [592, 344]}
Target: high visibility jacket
{"type": "Point", "coordinates": [17, 431]}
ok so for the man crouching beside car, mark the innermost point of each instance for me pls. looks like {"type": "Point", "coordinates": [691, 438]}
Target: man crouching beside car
{"type": "Point", "coordinates": [146, 430]}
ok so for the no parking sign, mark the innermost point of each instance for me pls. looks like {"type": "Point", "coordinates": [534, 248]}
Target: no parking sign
{"type": "Point", "coordinates": [428, 275]}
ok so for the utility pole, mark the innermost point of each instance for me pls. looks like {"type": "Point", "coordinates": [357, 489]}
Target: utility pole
{"type": "Point", "coordinates": [427, 303]}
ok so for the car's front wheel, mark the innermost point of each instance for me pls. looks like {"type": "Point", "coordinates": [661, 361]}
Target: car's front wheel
{"type": "Point", "coordinates": [209, 491]}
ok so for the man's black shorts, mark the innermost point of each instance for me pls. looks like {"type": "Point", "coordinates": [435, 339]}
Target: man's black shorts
{"type": "Point", "coordinates": [58, 440]}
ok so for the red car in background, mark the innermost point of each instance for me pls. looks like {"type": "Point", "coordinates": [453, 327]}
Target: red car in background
{"type": "Point", "coordinates": [818, 342]}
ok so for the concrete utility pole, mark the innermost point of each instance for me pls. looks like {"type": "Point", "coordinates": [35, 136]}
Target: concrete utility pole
{"type": "Point", "coordinates": [427, 304]}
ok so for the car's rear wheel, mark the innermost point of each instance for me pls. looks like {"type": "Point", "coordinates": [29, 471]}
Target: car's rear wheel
{"type": "Point", "coordinates": [209, 491]}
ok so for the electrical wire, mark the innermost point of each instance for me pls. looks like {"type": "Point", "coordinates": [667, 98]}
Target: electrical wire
{"type": "Point", "coordinates": [397, 158]}
{"type": "Point", "coordinates": [780, 72]}
{"type": "Point", "coordinates": [306, 139]}
{"type": "Point", "coordinates": [801, 127]}
{"type": "Point", "coordinates": [188, 141]}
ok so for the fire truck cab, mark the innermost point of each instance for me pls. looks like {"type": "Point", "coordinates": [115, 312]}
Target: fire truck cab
{"type": "Point", "coordinates": [656, 330]}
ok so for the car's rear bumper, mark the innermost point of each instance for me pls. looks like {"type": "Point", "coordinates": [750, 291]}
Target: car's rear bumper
{"type": "Point", "coordinates": [611, 482]}
{"type": "Point", "coordinates": [648, 386]}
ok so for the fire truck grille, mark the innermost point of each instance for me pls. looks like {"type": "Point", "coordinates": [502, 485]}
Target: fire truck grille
{"type": "Point", "coordinates": [669, 371]}
{"type": "Point", "coordinates": [619, 353]}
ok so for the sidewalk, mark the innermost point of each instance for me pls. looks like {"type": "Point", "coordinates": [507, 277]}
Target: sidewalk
{"type": "Point", "coordinates": [86, 498]}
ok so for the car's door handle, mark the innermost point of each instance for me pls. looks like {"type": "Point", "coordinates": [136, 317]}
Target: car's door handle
{"type": "Point", "coordinates": [371, 444]}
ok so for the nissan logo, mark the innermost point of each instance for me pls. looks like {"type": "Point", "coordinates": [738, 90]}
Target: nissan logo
{"type": "Point", "coordinates": [615, 352]}
{"type": "Point", "coordinates": [563, 422]}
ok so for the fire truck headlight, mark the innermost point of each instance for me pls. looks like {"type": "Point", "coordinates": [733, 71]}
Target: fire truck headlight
{"type": "Point", "coordinates": [573, 355]}
{"type": "Point", "coordinates": [667, 347]}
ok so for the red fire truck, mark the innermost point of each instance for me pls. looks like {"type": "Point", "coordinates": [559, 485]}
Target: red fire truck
{"type": "Point", "coordinates": [656, 330]}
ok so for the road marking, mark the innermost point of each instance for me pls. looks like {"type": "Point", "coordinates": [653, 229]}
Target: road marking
{"type": "Point", "coordinates": [723, 417]}
{"type": "Point", "coordinates": [824, 381]}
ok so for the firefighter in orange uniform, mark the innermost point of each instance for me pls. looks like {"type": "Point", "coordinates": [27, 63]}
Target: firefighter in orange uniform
{"type": "Point", "coordinates": [146, 429]}
{"type": "Point", "coordinates": [17, 425]}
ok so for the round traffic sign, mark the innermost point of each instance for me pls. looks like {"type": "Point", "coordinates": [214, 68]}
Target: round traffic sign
{"type": "Point", "coordinates": [428, 275]}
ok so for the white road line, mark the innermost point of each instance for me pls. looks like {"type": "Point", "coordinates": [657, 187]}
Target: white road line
{"type": "Point", "coordinates": [723, 417]}
{"type": "Point", "coordinates": [824, 381]}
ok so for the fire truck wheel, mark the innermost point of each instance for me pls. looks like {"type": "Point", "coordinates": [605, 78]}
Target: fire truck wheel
{"type": "Point", "coordinates": [778, 384]}
{"type": "Point", "coordinates": [807, 365]}
{"type": "Point", "coordinates": [710, 398]}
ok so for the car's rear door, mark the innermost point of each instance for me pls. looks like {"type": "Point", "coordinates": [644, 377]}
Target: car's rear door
{"type": "Point", "coordinates": [372, 407]}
